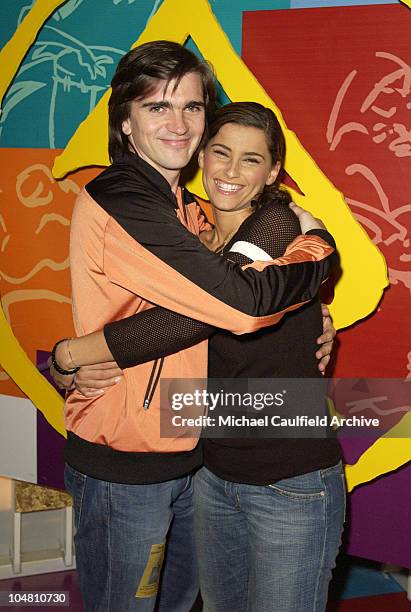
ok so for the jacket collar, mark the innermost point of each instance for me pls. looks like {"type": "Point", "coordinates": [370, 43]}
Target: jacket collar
{"type": "Point", "coordinates": [154, 177]}
{"type": "Point", "coordinates": [149, 173]}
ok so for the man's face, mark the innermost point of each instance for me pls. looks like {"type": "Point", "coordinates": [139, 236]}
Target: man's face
{"type": "Point", "coordinates": [166, 126]}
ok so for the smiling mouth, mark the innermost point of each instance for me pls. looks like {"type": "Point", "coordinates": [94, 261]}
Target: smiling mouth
{"type": "Point", "coordinates": [176, 144]}
{"type": "Point", "coordinates": [227, 188]}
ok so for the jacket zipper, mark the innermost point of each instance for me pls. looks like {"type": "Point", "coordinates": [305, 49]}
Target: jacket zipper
{"type": "Point", "coordinates": [153, 382]}
{"type": "Point", "coordinates": [155, 377]}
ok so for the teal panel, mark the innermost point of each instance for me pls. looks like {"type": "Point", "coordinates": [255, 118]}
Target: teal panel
{"type": "Point", "coordinates": [68, 68]}
{"type": "Point", "coordinates": [71, 63]}
{"type": "Point", "coordinates": [230, 15]}
{"type": "Point", "coordinates": [222, 97]}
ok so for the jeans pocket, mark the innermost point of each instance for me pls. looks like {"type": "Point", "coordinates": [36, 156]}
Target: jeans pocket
{"type": "Point", "coordinates": [334, 483]}
{"type": "Point", "coordinates": [305, 487]}
{"type": "Point", "coordinates": [75, 483]}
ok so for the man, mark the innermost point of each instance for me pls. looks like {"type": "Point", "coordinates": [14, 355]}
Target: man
{"type": "Point", "coordinates": [133, 244]}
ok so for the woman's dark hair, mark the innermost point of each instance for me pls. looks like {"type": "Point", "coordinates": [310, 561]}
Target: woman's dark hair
{"type": "Point", "coordinates": [252, 114]}
{"type": "Point", "coordinates": [137, 75]}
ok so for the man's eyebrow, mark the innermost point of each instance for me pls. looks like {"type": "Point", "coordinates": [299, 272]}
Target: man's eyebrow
{"type": "Point", "coordinates": [162, 103]}
{"type": "Point", "coordinates": [223, 146]}
{"type": "Point", "coordinates": [167, 104]}
{"type": "Point", "coordinates": [195, 103]}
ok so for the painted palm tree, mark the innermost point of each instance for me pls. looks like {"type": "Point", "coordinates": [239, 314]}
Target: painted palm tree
{"type": "Point", "coordinates": [78, 73]}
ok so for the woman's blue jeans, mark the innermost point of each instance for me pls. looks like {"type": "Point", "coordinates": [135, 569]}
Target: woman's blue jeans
{"type": "Point", "coordinates": [268, 548]}
{"type": "Point", "coordinates": [122, 531]}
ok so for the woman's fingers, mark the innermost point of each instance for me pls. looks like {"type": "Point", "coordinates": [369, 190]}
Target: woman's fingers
{"type": "Point", "coordinates": [62, 381]}
{"type": "Point", "coordinates": [92, 380]}
{"type": "Point", "coordinates": [307, 221]}
{"type": "Point", "coordinates": [326, 340]}
{"type": "Point", "coordinates": [107, 365]}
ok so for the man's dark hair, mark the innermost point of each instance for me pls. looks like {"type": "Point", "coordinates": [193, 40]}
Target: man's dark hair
{"type": "Point", "coordinates": [136, 76]}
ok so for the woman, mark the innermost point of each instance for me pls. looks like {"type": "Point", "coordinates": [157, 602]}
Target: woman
{"type": "Point", "coordinates": [269, 512]}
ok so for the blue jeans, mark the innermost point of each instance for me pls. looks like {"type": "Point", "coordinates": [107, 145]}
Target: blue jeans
{"type": "Point", "coordinates": [268, 548]}
{"type": "Point", "coordinates": [123, 532]}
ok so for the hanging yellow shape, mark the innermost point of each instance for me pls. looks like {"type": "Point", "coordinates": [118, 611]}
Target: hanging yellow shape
{"type": "Point", "coordinates": [364, 271]}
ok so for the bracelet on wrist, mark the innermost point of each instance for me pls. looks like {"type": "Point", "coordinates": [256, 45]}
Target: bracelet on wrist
{"type": "Point", "coordinates": [73, 365]}
{"type": "Point", "coordinates": [56, 366]}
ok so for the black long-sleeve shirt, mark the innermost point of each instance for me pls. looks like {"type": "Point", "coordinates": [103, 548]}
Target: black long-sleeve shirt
{"type": "Point", "coordinates": [286, 350]}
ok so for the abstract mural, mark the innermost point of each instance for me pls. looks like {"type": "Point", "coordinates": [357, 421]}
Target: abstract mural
{"type": "Point", "coordinates": [337, 74]}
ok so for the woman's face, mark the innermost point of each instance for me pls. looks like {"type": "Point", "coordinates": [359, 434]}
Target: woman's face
{"type": "Point", "coordinates": [236, 166]}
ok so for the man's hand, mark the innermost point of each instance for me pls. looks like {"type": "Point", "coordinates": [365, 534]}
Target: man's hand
{"type": "Point", "coordinates": [92, 380]}
{"type": "Point", "coordinates": [307, 221]}
{"type": "Point", "coordinates": [326, 340]}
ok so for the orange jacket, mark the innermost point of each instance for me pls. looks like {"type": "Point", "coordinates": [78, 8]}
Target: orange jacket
{"type": "Point", "coordinates": [130, 248]}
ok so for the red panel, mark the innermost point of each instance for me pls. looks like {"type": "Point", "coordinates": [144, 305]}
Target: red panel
{"type": "Point", "coordinates": [358, 134]}
{"type": "Point", "coordinates": [376, 603]}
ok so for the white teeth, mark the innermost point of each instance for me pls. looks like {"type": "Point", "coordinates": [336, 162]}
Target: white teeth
{"type": "Point", "coordinates": [227, 186]}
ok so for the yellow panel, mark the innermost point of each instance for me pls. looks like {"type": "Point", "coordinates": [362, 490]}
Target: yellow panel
{"type": "Point", "coordinates": [386, 454]}
{"type": "Point", "coordinates": [174, 21]}
{"type": "Point", "coordinates": [19, 367]}
{"type": "Point", "coordinates": [14, 51]}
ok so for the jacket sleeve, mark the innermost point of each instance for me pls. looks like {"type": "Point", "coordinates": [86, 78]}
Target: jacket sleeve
{"type": "Point", "coordinates": [148, 252]}
{"type": "Point", "coordinates": [159, 332]}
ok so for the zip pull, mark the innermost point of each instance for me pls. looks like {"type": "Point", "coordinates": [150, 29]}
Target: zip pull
{"type": "Point", "coordinates": [152, 383]}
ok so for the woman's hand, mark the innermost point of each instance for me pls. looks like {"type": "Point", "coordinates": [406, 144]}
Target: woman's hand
{"type": "Point", "coordinates": [307, 221]}
{"type": "Point", "coordinates": [92, 380]}
{"type": "Point", "coordinates": [326, 340]}
{"type": "Point", "coordinates": [62, 381]}
{"type": "Point", "coordinates": [89, 380]}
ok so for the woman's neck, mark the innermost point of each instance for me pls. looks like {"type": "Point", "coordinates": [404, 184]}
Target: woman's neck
{"type": "Point", "coordinates": [226, 224]}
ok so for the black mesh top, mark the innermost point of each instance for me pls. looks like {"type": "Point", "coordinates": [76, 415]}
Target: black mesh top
{"type": "Point", "coordinates": [158, 332]}
{"type": "Point", "coordinates": [285, 350]}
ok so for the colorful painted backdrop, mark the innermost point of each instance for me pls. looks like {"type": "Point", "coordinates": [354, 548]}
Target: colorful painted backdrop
{"type": "Point", "coordinates": [337, 73]}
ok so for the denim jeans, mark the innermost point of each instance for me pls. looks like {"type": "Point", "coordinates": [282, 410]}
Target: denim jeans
{"type": "Point", "coordinates": [122, 533]}
{"type": "Point", "coordinates": [268, 548]}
